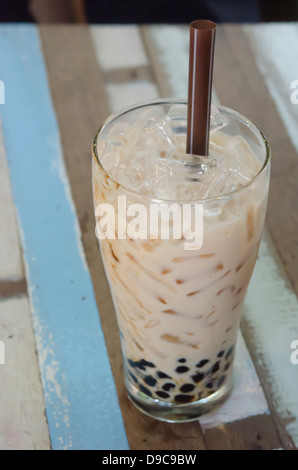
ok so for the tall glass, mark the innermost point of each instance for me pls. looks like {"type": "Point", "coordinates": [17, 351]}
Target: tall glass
{"type": "Point", "coordinates": [178, 300]}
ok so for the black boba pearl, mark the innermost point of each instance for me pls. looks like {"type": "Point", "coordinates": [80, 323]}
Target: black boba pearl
{"type": "Point", "coordinates": [181, 369]}
{"type": "Point", "coordinates": [202, 363]}
{"type": "Point", "coordinates": [133, 378]}
{"type": "Point", "coordinates": [229, 352]}
{"type": "Point", "coordinates": [187, 388]}
{"type": "Point", "coordinates": [221, 380]}
{"type": "Point", "coordinates": [209, 384]}
{"type": "Point", "coordinates": [227, 366]}
{"type": "Point", "coordinates": [131, 363]}
{"type": "Point", "coordinates": [221, 353]}
{"type": "Point", "coordinates": [145, 390]}
{"type": "Point", "coordinates": [182, 360]}
{"type": "Point", "coordinates": [145, 363]}
{"type": "Point", "coordinates": [168, 386]}
{"type": "Point", "coordinates": [184, 398]}
{"type": "Point", "coordinates": [215, 368]}
{"type": "Point", "coordinates": [197, 378]}
{"type": "Point", "coordinates": [162, 394]}
{"type": "Point", "coordinates": [162, 375]}
{"type": "Point", "coordinates": [136, 364]}
{"type": "Point", "coordinates": [149, 380]}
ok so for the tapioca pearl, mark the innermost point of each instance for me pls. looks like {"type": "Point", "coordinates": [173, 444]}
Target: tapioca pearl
{"type": "Point", "coordinates": [168, 386]}
{"type": "Point", "coordinates": [183, 398]}
{"type": "Point", "coordinates": [227, 366]}
{"type": "Point", "coordinates": [209, 385]}
{"type": "Point", "coordinates": [197, 377]}
{"type": "Point", "coordinates": [216, 367]}
{"type": "Point", "coordinates": [133, 377]}
{"type": "Point", "coordinates": [221, 353]}
{"type": "Point", "coordinates": [136, 364]}
{"type": "Point", "coordinates": [145, 390]}
{"type": "Point", "coordinates": [149, 380]}
{"type": "Point", "coordinates": [202, 363]}
{"type": "Point", "coordinates": [187, 388]}
{"type": "Point", "coordinates": [181, 369]}
{"type": "Point", "coordinates": [162, 394]}
{"type": "Point", "coordinates": [221, 380]}
{"type": "Point", "coordinates": [229, 352]}
{"type": "Point", "coordinates": [182, 360]}
{"type": "Point", "coordinates": [162, 375]}
{"type": "Point", "coordinates": [145, 363]}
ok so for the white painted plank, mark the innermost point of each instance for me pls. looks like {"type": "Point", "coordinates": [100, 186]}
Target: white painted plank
{"type": "Point", "coordinates": [276, 54]}
{"type": "Point", "coordinates": [11, 267]}
{"type": "Point", "coordinates": [118, 46]}
{"type": "Point", "coordinates": [172, 43]}
{"type": "Point", "coordinates": [121, 47]}
{"type": "Point", "coordinates": [23, 423]}
{"type": "Point", "coordinates": [127, 94]}
{"type": "Point", "coordinates": [271, 312]}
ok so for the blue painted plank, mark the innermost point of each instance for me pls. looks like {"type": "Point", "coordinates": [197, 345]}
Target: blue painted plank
{"type": "Point", "coordinates": [80, 396]}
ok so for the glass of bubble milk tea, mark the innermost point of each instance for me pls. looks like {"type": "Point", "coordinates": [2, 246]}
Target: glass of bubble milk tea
{"type": "Point", "coordinates": [179, 236]}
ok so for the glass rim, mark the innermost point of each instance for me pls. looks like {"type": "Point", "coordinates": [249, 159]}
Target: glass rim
{"type": "Point", "coordinates": [162, 101]}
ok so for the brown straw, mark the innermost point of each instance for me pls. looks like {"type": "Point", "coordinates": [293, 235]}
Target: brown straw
{"type": "Point", "coordinates": [201, 53]}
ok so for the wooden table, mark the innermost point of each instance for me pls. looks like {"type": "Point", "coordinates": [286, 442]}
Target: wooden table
{"type": "Point", "coordinates": [61, 374]}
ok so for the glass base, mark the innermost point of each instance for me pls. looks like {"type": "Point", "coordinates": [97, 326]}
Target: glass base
{"type": "Point", "coordinates": [175, 413]}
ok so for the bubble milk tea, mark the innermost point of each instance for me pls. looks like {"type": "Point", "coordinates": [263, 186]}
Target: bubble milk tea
{"type": "Point", "coordinates": [179, 305]}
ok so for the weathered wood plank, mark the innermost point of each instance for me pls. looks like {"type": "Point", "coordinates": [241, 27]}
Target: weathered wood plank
{"type": "Point", "coordinates": [121, 48]}
{"type": "Point", "coordinates": [277, 60]}
{"type": "Point", "coordinates": [90, 103]}
{"type": "Point", "coordinates": [80, 398]}
{"type": "Point", "coordinates": [164, 44]}
{"type": "Point", "coordinates": [23, 424]}
{"type": "Point", "coordinates": [11, 267]}
{"type": "Point", "coordinates": [247, 92]}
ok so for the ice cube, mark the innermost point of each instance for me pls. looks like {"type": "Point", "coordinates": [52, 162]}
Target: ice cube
{"type": "Point", "coordinates": [119, 134]}
{"type": "Point", "coordinates": [132, 172]}
{"type": "Point", "coordinates": [153, 131]}
{"type": "Point", "coordinates": [175, 124]}
{"type": "Point", "coordinates": [217, 120]}
{"type": "Point", "coordinates": [163, 177]}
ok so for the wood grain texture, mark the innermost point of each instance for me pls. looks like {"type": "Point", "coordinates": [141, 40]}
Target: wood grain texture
{"type": "Point", "coordinates": [252, 433]}
{"type": "Point", "coordinates": [11, 265]}
{"type": "Point", "coordinates": [78, 90]}
{"type": "Point", "coordinates": [23, 424]}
